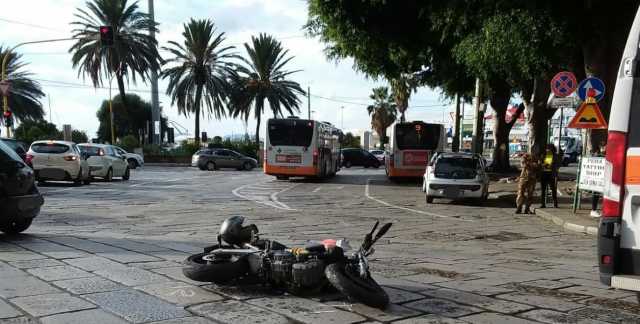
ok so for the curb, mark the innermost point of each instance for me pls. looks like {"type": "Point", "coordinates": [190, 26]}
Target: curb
{"type": "Point", "coordinates": [590, 230]}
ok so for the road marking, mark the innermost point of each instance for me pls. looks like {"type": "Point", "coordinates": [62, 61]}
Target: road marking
{"type": "Point", "coordinates": [367, 194]}
{"type": "Point", "coordinates": [262, 197]}
{"type": "Point", "coordinates": [317, 189]}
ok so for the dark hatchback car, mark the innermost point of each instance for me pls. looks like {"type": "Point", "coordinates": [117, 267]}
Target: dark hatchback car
{"type": "Point", "coordinates": [214, 159]}
{"type": "Point", "coordinates": [359, 157]}
{"type": "Point", "coordinates": [20, 200]}
{"type": "Point", "coordinates": [18, 146]}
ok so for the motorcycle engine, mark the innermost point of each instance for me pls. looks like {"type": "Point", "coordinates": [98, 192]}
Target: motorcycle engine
{"type": "Point", "coordinates": [309, 273]}
{"type": "Point", "coordinates": [281, 267]}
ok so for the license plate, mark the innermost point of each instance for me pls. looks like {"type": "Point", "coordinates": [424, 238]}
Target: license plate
{"type": "Point", "coordinates": [415, 158]}
{"type": "Point", "coordinates": [452, 193]}
{"type": "Point", "coordinates": [285, 158]}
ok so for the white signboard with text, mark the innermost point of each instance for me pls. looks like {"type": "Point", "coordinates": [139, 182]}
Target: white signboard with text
{"type": "Point", "coordinates": [592, 174]}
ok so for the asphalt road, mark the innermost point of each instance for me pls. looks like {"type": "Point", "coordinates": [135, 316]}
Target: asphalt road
{"type": "Point", "coordinates": [110, 253]}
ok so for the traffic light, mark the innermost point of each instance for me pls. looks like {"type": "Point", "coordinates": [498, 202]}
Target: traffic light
{"type": "Point", "coordinates": [106, 36]}
{"type": "Point", "coordinates": [204, 137]}
{"type": "Point", "coordinates": [8, 120]}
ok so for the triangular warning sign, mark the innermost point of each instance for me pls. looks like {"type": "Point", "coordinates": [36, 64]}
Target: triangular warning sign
{"type": "Point", "coordinates": [588, 116]}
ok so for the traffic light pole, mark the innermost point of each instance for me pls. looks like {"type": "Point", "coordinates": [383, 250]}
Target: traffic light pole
{"type": "Point", "coordinates": [5, 61]}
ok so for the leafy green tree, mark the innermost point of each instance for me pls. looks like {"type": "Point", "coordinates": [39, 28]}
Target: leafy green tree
{"type": "Point", "coordinates": [134, 52]}
{"type": "Point", "coordinates": [199, 71]}
{"type": "Point", "coordinates": [34, 130]}
{"type": "Point", "coordinates": [382, 111]}
{"type": "Point", "coordinates": [350, 141]}
{"type": "Point", "coordinates": [127, 120]}
{"type": "Point", "coordinates": [261, 78]}
{"type": "Point", "coordinates": [78, 136]}
{"type": "Point", "coordinates": [25, 92]}
{"type": "Point", "coordinates": [129, 142]}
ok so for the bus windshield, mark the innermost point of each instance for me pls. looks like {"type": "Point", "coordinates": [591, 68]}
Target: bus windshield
{"type": "Point", "coordinates": [289, 132]}
{"type": "Point", "coordinates": [417, 136]}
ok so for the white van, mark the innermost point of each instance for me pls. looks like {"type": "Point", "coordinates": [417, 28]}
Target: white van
{"type": "Point", "coordinates": [619, 229]}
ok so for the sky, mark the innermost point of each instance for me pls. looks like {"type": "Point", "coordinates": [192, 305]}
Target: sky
{"type": "Point", "coordinates": [333, 85]}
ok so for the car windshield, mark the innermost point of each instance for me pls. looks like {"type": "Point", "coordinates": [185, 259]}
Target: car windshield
{"type": "Point", "coordinates": [91, 150]}
{"type": "Point", "coordinates": [290, 132]}
{"type": "Point", "coordinates": [51, 148]}
{"type": "Point", "coordinates": [456, 168]}
{"type": "Point", "coordinates": [417, 136]}
{"type": "Point", "coordinates": [7, 153]}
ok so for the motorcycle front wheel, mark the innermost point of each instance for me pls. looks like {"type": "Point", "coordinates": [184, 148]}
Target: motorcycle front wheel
{"type": "Point", "coordinates": [219, 271]}
{"type": "Point", "coordinates": [349, 283]}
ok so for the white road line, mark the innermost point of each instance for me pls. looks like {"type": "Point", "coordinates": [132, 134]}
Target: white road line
{"type": "Point", "coordinates": [317, 189]}
{"type": "Point", "coordinates": [262, 198]}
{"type": "Point", "coordinates": [366, 193]}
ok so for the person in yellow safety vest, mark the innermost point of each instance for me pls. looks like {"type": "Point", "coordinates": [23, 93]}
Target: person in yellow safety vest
{"type": "Point", "coordinates": [549, 175]}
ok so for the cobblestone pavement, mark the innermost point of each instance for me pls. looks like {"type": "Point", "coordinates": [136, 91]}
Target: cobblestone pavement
{"type": "Point", "coordinates": [111, 253]}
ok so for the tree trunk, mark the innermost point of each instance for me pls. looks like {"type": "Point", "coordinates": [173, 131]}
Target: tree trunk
{"type": "Point", "coordinates": [455, 143]}
{"type": "Point", "coordinates": [258, 132]}
{"type": "Point", "coordinates": [120, 80]}
{"type": "Point", "coordinates": [197, 103]}
{"type": "Point", "coordinates": [535, 97]}
{"type": "Point", "coordinates": [383, 136]}
{"type": "Point", "coordinates": [499, 99]}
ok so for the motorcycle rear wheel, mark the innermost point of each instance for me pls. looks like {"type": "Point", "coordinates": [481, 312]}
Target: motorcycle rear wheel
{"type": "Point", "coordinates": [219, 272]}
{"type": "Point", "coordinates": [366, 291]}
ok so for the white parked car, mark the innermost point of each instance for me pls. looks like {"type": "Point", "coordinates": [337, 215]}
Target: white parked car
{"type": "Point", "coordinates": [134, 160]}
{"type": "Point", "coordinates": [105, 161]}
{"type": "Point", "coordinates": [379, 154]}
{"type": "Point", "coordinates": [456, 176]}
{"type": "Point", "coordinates": [58, 161]}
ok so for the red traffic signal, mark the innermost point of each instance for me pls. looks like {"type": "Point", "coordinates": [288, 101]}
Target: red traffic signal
{"type": "Point", "coordinates": [106, 35]}
{"type": "Point", "coordinates": [7, 114]}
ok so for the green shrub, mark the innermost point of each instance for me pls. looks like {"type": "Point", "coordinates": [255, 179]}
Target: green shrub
{"type": "Point", "coordinates": [129, 142]}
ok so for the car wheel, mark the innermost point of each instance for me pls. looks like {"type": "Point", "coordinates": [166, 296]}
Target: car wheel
{"type": "Point", "coordinates": [429, 199]}
{"type": "Point", "coordinates": [15, 226]}
{"type": "Point", "coordinates": [347, 164]}
{"type": "Point", "coordinates": [109, 176]}
{"type": "Point", "coordinates": [211, 166]}
{"type": "Point", "coordinates": [127, 174]}
{"type": "Point", "coordinates": [377, 166]}
{"type": "Point", "coordinates": [133, 164]}
{"type": "Point", "coordinates": [366, 166]}
{"type": "Point", "coordinates": [87, 181]}
{"type": "Point", "coordinates": [247, 166]}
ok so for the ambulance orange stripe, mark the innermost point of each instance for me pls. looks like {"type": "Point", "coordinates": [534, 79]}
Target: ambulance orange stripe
{"type": "Point", "coordinates": [633, 170]}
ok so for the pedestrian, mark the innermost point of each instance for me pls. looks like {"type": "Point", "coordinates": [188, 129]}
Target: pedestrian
{"type": "Point", "coordinates": [549, 176]}
{"type": "Point", "coordinates": [526, 183]}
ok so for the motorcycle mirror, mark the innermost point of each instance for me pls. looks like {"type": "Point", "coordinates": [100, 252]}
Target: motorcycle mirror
{"type": "Point", "coordinates": [383, 231]}
{"type": "Point", "coordinates": [374, 228]}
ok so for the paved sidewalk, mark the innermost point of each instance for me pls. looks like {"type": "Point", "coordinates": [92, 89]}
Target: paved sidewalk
{"type": "Point", "coordinates": [580, 222]}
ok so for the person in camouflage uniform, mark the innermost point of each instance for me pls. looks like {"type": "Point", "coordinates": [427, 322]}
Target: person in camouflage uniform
{"type": "Point", "coordinates": [526, 183]}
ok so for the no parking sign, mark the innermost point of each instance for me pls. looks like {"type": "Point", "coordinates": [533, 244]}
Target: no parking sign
{"type": "Point", "coordinates": [564, 84]}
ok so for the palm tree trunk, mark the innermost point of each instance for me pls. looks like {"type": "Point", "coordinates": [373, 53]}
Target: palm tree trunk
{"type": "Point", "coordinates": [120, 80]}
{"type": "Point", "coordinates": [197, 103]}
{"type": "Point", "coordinates": [258, 133]}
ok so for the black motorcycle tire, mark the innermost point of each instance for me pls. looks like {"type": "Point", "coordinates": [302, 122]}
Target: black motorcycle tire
{"type": "Point", "coordinates": [195, 268]}
{"type": "Point", "coordinates": [355, 288]}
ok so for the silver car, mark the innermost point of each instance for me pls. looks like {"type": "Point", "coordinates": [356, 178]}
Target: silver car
{"type": "Point", "coordinates": [456, 176]}
{"type": "Point", "coordinates": [214, 159]}
{"type": "Point", "coordinates": [105, 161]}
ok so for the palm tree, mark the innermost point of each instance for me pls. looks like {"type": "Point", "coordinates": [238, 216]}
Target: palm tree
{"type": "Point", "coordinates": [25, 93]}
{"type": "Point", "coordinates": [200, 71]}
{"type": "Point", "coordinates": [401, 89]}
{"type": "Point", "coordinates": [382, 111]}
{"type": "Point", "coordinates": [264, 78]}
{"type": "Point", "coordinates": [134, 52]}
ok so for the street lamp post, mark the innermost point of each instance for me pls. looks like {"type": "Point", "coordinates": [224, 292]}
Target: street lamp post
{"type": "Point", "coordinates": [113, 135]}
{"type": "Point", "coordinates": [5, 60]}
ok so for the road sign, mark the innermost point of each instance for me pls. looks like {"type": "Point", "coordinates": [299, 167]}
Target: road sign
{"type": "Point", "coordinates": [566, 102]}
{"type": "Point", "coordinates": [591, 83]}
{"type": "Point", "coordinates": [592, 174]}
{"type": "Point", "coordinates": [563, 84]}
{"type": "Point", "coordinates": [588, 116]}
{"type": "Point", "coordinates": [4, 87]}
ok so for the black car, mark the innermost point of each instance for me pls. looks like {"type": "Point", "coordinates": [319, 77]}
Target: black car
{"type": "Point", "coordinates": [20, 199]}
{"type": "Point", "coordinates": [18, 146]}
{"type": "Point", "coordinates": [214, 159]}
{"type": "Point", "coordinates": [359, 157]}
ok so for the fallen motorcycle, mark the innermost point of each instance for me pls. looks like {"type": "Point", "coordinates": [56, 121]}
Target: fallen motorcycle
{"type": "Point", "coordinates": [240, 253]}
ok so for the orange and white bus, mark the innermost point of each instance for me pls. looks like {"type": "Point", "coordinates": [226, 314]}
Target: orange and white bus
{"type": "Point", "coordinates": [411, 144]}
{"type": "Point", "coordinates": [296, 147]}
